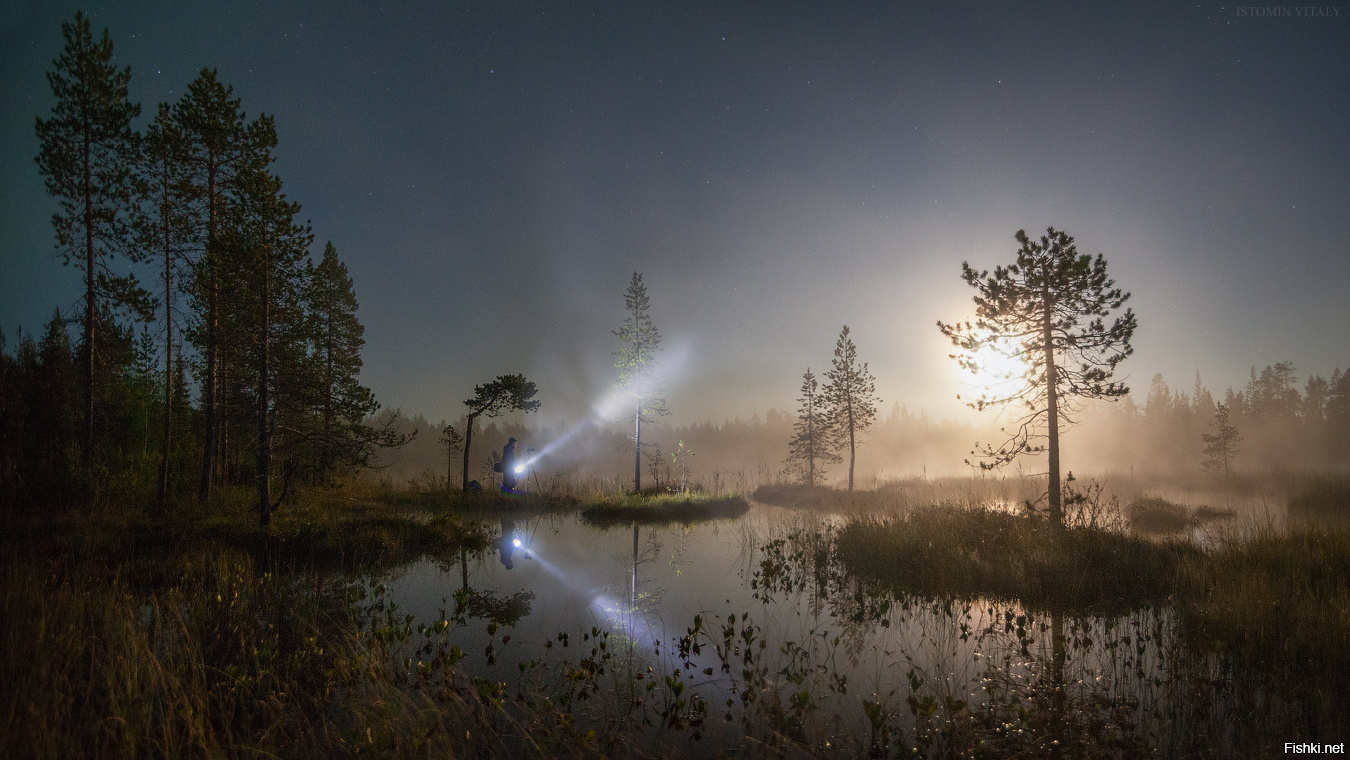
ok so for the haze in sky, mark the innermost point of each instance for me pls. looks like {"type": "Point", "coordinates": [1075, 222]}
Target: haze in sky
{"type": "Point", "coordinates": [493, 174]}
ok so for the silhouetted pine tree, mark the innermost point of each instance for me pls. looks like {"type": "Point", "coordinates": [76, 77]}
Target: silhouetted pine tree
{"type": "Point", "coordinates": [167, 228]}
{"type": "Point", "coordinates": [342, 439]}
{"type": "Point", "coordinates": [269, 249]}
{"type": "Point", "coordinates": [1053, 303]}
{"type": "Point", "coordinates": [812, 445]}
{"type": "Point", "coordinates": [88, 151]}
{"type": "Point", "coordinates": [504, 394]}
{"type": "Point", "coordinates": [639, 387]}
{"type": "Point", "coordinates": [219, 149]}
{"type": "Point", "coordinates": [1221, 446]}
{"type": "Point", "coordinates": [850, 397]}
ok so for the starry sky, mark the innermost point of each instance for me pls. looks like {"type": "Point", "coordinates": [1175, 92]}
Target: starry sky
{"type": "Point", "coordinates": [493, 172]}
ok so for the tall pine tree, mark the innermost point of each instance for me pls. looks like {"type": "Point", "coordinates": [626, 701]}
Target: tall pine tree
{"type": "Point", "coordinates": [1053, 304]}
{"type": "Point", "coordinates": [88, 152]}
{"type": "Point", "coordinates": [639, 388]}
{"type": "Point", "coordinates": [341, 439]}
{"type": "Point", "coordinates": [850, 397]}
{"type": "Point", "coordinates": [812, 444]}
{"type": "Point", "coordinates": [269, 247]}
{"type": "Point", "coordinates": [220, 148]}
{"type": "Point", "coordinates": [166, 225]}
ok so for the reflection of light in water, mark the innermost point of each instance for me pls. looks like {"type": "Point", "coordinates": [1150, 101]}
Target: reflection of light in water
{"type": "Point", "coordinates": [626, 620]}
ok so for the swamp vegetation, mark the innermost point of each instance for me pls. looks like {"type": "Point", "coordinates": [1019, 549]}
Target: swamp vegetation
{"type": "Point", "coordinates": [933, 630]}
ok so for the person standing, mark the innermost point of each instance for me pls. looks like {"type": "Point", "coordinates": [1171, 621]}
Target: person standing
{"type": "Point", "coordinates": [509, 475]}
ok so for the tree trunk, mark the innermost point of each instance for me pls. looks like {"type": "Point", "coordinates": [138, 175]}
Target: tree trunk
{"type": "Point", "coordinates": [89, 326]}
{"type": "Point", "coordinates": [264, 431]}
{"type": "Point", "coordinates": [637, 448]}
{"type": "Point", "coordinates": [1052, 412]}
{"type": "Point", "coordinates": [851, 449]}
{"type": "Point", "coordinates": [165, 448]}
{"type": "Point", "coordinates": [468, 441]}
{"type": "Point", "coordinates": [810, 441]}
{"type": "Point", "coordinates": [211, 388]}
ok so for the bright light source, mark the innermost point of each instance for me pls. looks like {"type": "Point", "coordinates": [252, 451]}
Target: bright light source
{"type": "Point", "coordinates": [520, 468]}
{"type": "Point", "coordinates": [515, 542]}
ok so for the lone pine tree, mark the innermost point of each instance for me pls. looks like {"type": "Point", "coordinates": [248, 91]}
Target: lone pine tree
{"type": "Point", "coordinates": [1221, 446]}
{"type": "Point", "coordinates": [812, 445]}
{"type": "Point", "coordinates": [850, 398]}
{"type": "Point", "coordinates": [504, 394]}
{"type": "Point", "coordinates": [639, 387]}
{"type": "Point", "coordinates": [1052, 303]}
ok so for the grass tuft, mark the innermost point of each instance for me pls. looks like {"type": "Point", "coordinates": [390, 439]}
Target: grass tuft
{"type": "Point", "coordinates": [970, 553]}
{"type": "Point", "coordinates": [663, 509]}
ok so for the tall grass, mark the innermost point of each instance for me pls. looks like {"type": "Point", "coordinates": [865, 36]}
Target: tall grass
{"type": "Point", "coordinates": [964, 553]}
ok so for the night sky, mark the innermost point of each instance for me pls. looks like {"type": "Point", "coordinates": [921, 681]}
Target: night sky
{"type": "Point", "coordinates": [493, 173]}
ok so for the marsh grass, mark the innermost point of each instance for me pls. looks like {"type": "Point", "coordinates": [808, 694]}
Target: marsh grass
{"type": "Point", "coordinates": [1322, 498]}
{"type": "Point", "coordinates": [195, 634]}
{"type": "Point", "coordinates": [662, 508]}
{"type": "Point", "coordinates": [1155, 516]}
{"type": "Point", "coordinates": [973, 553]}
{"type": "Point", "coordinates": [1277, 608]}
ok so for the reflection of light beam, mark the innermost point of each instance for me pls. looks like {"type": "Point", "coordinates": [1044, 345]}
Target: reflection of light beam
{"type": "Point", "coordinates": [626, 620]}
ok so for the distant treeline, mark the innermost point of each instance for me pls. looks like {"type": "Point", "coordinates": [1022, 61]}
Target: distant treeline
{"type": "Point", "coordinates": [1283, 424]}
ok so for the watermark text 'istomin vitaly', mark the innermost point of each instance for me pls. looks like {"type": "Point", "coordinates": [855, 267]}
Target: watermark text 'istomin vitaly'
{"type": "Point", "coordinates": [1293, 11]}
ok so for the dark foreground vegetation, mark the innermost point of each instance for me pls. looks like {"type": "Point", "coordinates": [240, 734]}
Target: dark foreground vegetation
{"type": "Point", "coordinates": [198, 634]}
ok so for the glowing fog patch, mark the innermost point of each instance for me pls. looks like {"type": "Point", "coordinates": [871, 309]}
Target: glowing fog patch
{"type": "Point", "coordinates": [999, 368]}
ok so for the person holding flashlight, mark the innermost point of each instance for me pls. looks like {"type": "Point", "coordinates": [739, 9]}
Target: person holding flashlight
{"type": "Point", "coordinates": [509, 475]}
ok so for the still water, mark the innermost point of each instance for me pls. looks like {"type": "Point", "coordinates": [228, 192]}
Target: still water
{"type": "Point", "coordinates": [830, 659]}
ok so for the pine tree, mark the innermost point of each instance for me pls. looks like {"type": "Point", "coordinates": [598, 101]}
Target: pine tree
{"type": "Point", "coordinates": [812, 445]}
{"type": "Point", "coordinates": [504, 394]}
{"type": "Point", "coordinates": [1221, 446]}
{"type": "Point", "coordinates": [343, 439]}
{"type": "Point", "coordinates": [269, 248]}
{"type": "Point", "coordinates": [1053, 304]}
{"type": "Point", "coordinates": [220, 148]}
{"type": "Point", "coordinates": [850, 397]}
{"type": "Point", "coordinates": [639, 387]}
{"type": "Point", "coordinates": [166, 227]}
{"type": "Point", "coordinates": [88, 151]}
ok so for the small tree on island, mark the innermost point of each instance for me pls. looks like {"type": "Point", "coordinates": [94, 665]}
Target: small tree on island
{"type": "Point", "coordinates": [639, 387]}
{"type": "Point", "coordinates": [1052, 305]}
{"type": "Point", "coordinates": [850, 398]}
{"type": "Point", "coordinates": [1221, 447]}
{"type": "Point", "coordinates": [504, 394]}
{"type": "Point", "coordinates": [812, 444]}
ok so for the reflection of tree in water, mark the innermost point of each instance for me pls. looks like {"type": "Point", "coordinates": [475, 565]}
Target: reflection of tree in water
{"type": "Point", "coordinates": [471, 603]}
{"type": "Point", "coordinates": [1015, 678]}
{"type": "Point", "coordinates": [644, 602]}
